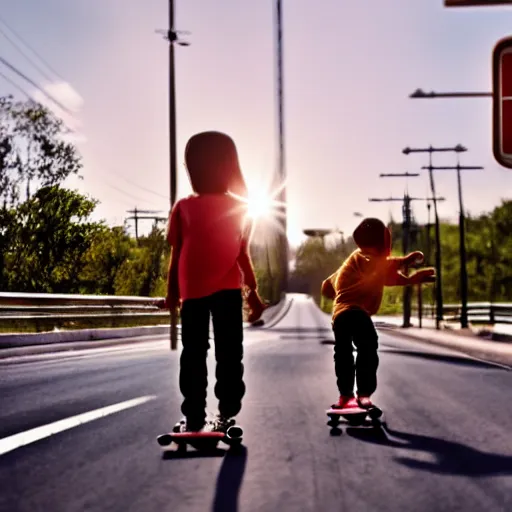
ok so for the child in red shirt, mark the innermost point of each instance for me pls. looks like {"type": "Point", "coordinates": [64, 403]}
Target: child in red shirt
{"type": "Point", "coordinates": [209, 266]}
{"type": "Point", "coordinates": [356, 289]}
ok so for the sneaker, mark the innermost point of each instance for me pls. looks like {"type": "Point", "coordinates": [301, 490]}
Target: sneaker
{"type": "Point", "coordinates": [344, 402]}
{"type": "Point", "coordinates": [221, 423]}
{"type": "Point", "coordinates": [364, 402]}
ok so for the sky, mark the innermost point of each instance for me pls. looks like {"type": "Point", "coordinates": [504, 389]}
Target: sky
{"type": "Point", "coordinates": [349, 68]}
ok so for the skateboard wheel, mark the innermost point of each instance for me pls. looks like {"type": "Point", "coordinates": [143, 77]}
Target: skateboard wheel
{"type": "Point", "coordinates": [375, 413]}
{"type": "Point", "coordinates": [164, 440]}
{"type": "Point", "coordinates": [234, 432]}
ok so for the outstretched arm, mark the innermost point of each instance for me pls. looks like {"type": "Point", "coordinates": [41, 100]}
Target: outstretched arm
{"type": "Point", "coordinates": [413, 258]}
{"type": "Point", "coordinates": [424, 275]}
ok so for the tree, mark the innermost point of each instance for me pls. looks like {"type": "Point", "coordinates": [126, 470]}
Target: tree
{"type": "Point", "coordinates": [144, 271]}
{"type": "Point", "coordinates": [32, 148]}
{"type": "Point", "coordinates": [109, 249]}
{"type": "Point", "coordinates": [47, 237]}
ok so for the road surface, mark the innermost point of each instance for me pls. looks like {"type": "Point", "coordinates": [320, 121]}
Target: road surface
{"type": "Point", "coordinates": [447, 445]}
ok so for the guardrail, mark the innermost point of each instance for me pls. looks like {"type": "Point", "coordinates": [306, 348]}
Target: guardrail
{"type": "Point", "coordinates": [478, 312]}
{"type": "Point", "coordinates": [38, 312]}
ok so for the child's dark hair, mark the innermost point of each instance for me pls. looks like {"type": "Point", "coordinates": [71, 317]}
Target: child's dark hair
{"type": "Point", "coordinates": [212, 163]}
{"type": "Point", "coordinates": [373, 234]}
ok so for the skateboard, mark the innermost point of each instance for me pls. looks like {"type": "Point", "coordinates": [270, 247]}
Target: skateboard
{"type": "Point", "coordinates": [353, 415]}
{"type": "Point", "coordinates": [206, 439]}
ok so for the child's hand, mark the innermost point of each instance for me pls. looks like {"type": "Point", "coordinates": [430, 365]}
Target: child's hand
{"type": "Point", "coordinates": [168, 303]}
{"type": "Point", "coordinates": [425, 275]}
{"type": "Point", "coordinates": [415, 258]}
{"type": "Point", "coordinates": [160, 304]}
{"type": "Point", "coordinates": [256, 306]}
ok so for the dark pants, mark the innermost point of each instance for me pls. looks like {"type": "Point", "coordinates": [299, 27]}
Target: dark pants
{"type": "Point", "coordinates": [355, 326]}
{"type": "Point", "coordinates": [226, 311]}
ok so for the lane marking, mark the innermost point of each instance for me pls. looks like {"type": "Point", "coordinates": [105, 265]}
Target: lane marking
{"type": "Point", "coordinates": [10, 443]}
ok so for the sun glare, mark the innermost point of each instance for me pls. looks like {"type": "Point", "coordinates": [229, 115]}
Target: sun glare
{"type": "Point", "coordinates": [259, 204]}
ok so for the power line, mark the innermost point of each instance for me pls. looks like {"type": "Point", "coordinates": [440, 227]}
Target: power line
{"type": "Point", "coordinates": [2, 31]}
{"type": "Point", "coordinates": [139, 186]}
{"type": "Point", "coordinates": [17, 86]}
{"type": "Point", "coordinates": [32, 49]}
{"type": "Point", "coordinates": [34, 84]}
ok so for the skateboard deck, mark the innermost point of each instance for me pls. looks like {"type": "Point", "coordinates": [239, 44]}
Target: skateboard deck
{"type": "Point", "coordinates": [353, 415]}
{"type": "Point", "coordinates": [206, 439]}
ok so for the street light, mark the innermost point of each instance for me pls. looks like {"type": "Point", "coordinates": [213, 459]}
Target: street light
{"type": "Point", "coordinates": [421, 94]}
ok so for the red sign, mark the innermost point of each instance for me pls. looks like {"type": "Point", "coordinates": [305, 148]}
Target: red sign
{"type": "Point", "coordinates": [502, 101]}
{"type": "Point", "coordinates": [475, 3]}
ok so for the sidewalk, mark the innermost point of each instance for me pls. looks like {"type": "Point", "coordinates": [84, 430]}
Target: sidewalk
{"type": "Point", "coordinates": [452, 336]}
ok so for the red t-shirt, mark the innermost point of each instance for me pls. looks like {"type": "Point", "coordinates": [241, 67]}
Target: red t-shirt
{"type": "Point", "coordinates": [210, 228]}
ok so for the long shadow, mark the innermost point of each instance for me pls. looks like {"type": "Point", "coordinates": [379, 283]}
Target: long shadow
{"type": "Point", "coordinates": [229, 480]}
{"type": "Point", "coordinates": [444, 358]}
{"type": "Point", "coordinates": [451, 458]}
{"type": "Point", "coordinates": [192, 453]}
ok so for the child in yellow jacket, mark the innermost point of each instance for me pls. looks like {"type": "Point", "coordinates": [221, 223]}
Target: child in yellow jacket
{"type": "Point", "coordinates": [356, 289]}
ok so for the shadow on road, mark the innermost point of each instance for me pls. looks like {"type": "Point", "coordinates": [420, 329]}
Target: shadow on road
{"type": "Point", "coordinates": [229, 480]}
{"type": "Point", "coordinates": [443, 358]}
{"type": "Point", "coordinates": [451, 458]}
{"type": "Point", "coordinates": [192, 453]}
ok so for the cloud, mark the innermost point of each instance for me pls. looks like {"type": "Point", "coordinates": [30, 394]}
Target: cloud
{"type": "Point", "coordinates": [65, 95]}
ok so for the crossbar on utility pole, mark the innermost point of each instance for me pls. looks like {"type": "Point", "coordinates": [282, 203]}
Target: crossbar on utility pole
{"type": "Point", "coordinates": [464, 323]}
{"type": "Point", "coordinates": [439, 283]}
{"type": "Point", "coordinates": [406, 200]}
{"type": "Point", "coordinates": [406, 234]}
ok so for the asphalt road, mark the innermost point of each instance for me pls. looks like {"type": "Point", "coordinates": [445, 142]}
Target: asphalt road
{"type": "Point", "coordinates": [446, 445]}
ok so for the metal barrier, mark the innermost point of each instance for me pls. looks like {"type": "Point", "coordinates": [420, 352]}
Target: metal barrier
{"type": "Point", "coordinates": [37, 312]}
{"type": "Point", "coordinates": [478, 312]}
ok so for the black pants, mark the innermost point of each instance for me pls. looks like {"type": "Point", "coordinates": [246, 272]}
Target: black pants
{"type": "Point", "coordinates": [226, 311]}
{"type": "Point", "coordinates": [355, 326]}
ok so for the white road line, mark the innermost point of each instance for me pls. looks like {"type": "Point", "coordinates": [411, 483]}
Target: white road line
{"type": "Point", "coordinates": [10, 443]}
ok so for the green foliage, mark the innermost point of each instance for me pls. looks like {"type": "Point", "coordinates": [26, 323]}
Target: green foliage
{"type": "Point", "coordinates": [49, 244]}
{"type": "Point", "coordinates": [32, 149]}
{"type": "Point", "coordinates": [46, 238]}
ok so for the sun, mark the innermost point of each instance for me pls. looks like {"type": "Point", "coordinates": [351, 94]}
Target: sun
{"type": "Point", "coordinates": [259, 204]}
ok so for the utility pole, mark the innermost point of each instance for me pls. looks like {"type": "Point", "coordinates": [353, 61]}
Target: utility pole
{"type": "Point", "coordinates": [171, 35]}
{"type": "Point", "coordinates": [462, 237]}
{"type": "Point", "coordinates": [406, 229]}
{"type": "Point", "coordinates": [438, 284]}
{"type": "Point", "coordinates": [138, 217]}
{"type": "Point", "coordinates": [406, 211]}
{"type": "Point", "coordinates": [281, 145]}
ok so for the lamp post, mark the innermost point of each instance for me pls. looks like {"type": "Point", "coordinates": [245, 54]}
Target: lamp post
{"type": "Point", "coordinates": [421, 94]}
